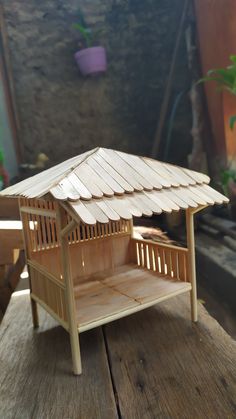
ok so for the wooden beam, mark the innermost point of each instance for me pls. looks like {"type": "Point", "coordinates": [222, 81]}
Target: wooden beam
{"type": "Point", "coordinates": [37, 211]}
{"type": "Point", "coordinates": [68, 228]}
{"type": "Point", "coordinates": [70, 298]}
{"type": "Point", "coordinates": [71, 212]}
{"type": "Point", "coordinates": [195, 210]}
{"type": "Point", "coordinates": [191, 262]}
{"type": "Point", "coordinates": [28, 249]}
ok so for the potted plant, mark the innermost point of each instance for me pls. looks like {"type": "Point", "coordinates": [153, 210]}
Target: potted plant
{"type": "Point", "coordinates": [91, 59]}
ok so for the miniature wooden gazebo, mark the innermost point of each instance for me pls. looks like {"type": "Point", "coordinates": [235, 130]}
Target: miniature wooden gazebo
{"type": "Point", "coordinates": [86, 268]}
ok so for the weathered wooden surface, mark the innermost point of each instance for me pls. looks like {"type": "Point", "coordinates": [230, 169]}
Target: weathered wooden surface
{"type": "Point", "coordinates": [161, 366]}
{"type": "Point", "coordinates": [36, 379]}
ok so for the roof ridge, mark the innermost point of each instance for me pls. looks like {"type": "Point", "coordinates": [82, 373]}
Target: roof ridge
{"type": "Point", "coordinates": [71, 170]}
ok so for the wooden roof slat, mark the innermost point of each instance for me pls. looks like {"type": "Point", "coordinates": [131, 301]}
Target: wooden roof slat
{"type": "Point", "coordinates": [199, 192]}
{"type": "Point", "coordinates": [114, 174]}
{"type": "Point", "coordinates": [84, 174]}
{"type": "Point", "coordinates": [182, 194]}
{"type": "Point", "coordinates": [177, 175]}
{"type": "Point", "coordinates": [161, 179]}
{"type": "Point", "coordinates": [166, 199]}
{"type": "Point", "coordinates": [167, 179]}
{"type": "Point", "coordinates": [69, 189]}
{"type": "Point", "coordinates": [162, 204]}
{"type": "Point", "coordinates": [142, 168]}
{"type": "Point", "coordinates": [115, 186]}
{"type": "Point", "coordinates": [135, 210]}
{"type": "Point", "coordinates": [96, 211]}
{"type": "Point", "coordinates": [118, 205]}
{"type": "Point", "coordinates": [58, 193]}
{"type": "Point", "coordinates": [121, 168]}
{"type": "Point", "coordinates": [37, 190]}
{"type": "Point", "coordinates": [110, 213]}
{"type": "Point", "coordinates": [180, 202]}
{"type": "Point", "coordinates": [79, 186]}
{"type": "Point", "coordinates": [83, 213]}
{"type": "Point", "coordinates": [199, 177]}
{"type": "Point", "coordinates": [217, 196]}
{"type": "Point", "coordinates": [199, 200]}
{"type": "Point", "coordinates": [99, 181]}
{"type": "Point", "coordinates": [150, 204]}
{"type": "Point", "coordinates": [182, 174]}
{"type": "Point", "coordinates": [139, 203]}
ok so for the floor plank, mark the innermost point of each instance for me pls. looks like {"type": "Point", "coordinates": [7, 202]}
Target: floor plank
{"type": "Point", "coordinates": [36, 379]}
{"type": "Point", "coordinates": [165, 367]}
{"type": "Point", "coordinates": [119, 292]}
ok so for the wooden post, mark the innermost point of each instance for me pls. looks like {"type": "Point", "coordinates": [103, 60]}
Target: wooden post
{"type": "Point", "coordinates": [191, 262]}
{"type": "Point", "coordinates": [25, 230]}
{"type": "Point", "coordinates": [70, 298]}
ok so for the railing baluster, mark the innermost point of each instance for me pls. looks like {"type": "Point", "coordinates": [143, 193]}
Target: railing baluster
{"type": "Point", "coordinates": [181, 266]}
{"type": "Point", "coordinates": [150, 247]}
{"type": "Point", "coordinates": [162, 261]}
{"type": "Point", "coordinates": [167, 260]}
{"type": "Point", "coordinates": [174, 264]}
{"type": "Point", "coordinates": [145, 260]}
{"type": "Point", "coordinates": [157, 259]}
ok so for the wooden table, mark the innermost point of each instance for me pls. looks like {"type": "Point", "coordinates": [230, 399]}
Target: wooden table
{"type": "Point", "coordinates": [153, 364]}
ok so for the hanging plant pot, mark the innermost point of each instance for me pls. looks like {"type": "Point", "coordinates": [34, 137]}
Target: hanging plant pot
{"type": "Point", "coordinates": [91, 60]}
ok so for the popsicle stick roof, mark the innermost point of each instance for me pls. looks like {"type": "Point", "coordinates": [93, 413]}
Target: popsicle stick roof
{"type": "Point", "coordinates": [103, 185]}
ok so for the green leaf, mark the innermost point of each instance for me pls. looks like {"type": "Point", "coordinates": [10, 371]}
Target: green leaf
{"type": "Point", "coordinates": [85, 32]}
{"type": "Point", "coordinates": [233, 58]}
{"type": "Point", "coordinates": [232, 121]}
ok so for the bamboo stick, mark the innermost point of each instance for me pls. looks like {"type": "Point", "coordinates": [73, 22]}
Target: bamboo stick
{"type": "Point", "coordinates": [71, 310]}
{"type": "Point", "coordinates": [191, 263]}
{"type": "Point", "coordinates": [34, 309]}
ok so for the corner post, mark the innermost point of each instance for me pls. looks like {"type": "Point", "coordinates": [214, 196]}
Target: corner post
{"type": "Point", "coordinates": [192, 263]}
{"type": "Point", "coordinates": [25, 231]}
{"type": "Point", "coordinates": [70, 298]}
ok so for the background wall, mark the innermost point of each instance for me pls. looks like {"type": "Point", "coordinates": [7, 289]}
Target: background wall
{"type": "Point", "coordinates": [216, 21]}
{"type": "Point", "coordinates": [63, 114]}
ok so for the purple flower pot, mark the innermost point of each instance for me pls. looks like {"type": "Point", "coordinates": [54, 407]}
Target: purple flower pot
{"type": "Point", "coordinates": [91, 60]}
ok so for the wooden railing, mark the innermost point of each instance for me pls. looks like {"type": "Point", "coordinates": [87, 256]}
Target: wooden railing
{"type": "Point", "coordinates": [83, 232]}
{"type": "Point", "coordinates": [48, 290]}
{"type": "Point", "coordinates": [166, 260]}
{"type": "Point", "coordinates": [41, 228]}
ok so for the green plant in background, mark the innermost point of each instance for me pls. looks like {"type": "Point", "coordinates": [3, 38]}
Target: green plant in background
{"type": "Point", "coordinates": [89, 36]}
{"type": "Point", "coordinates": [227, 176]}
{"type": "Point", "coordinates": [226, 80]}
{"type": "Point", "coordinates": [86, 34]}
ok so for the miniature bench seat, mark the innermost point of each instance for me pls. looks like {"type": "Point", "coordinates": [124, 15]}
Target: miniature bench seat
{"type": "Point", "coordinates": [86, 267]}
{"type": "Point", "coordinates": [113, 294]}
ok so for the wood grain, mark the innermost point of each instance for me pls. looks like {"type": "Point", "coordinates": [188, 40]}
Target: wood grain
{"type": "Point", "coordinates": [108, 295]}
{"type": "Point", "coordinates": [161, 365]}
{"type": "Point", "coordinates": [36, 380]}
{"type": "Point", "coordinates": [165, 367]}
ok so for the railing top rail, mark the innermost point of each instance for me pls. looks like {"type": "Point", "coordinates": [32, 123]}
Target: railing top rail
{"type": "Point", "coordinates": [158, 244]}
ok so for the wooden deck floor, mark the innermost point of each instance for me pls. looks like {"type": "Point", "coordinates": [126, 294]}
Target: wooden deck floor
{"type": "Point", "coordinates": [153, 364]}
